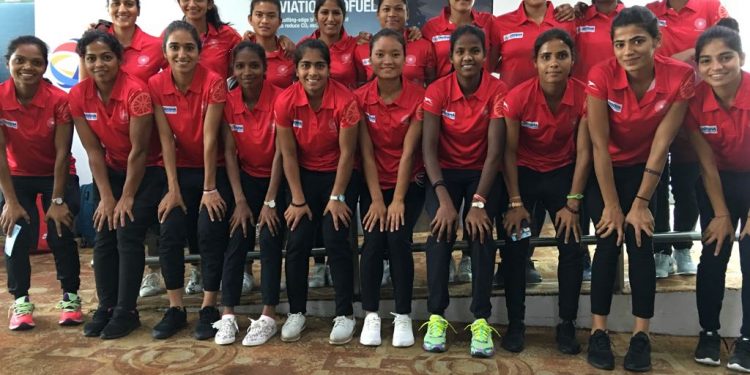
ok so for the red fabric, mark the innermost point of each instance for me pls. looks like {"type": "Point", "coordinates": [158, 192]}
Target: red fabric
{"type": "Point", "coordinates": [144, 57]}
{"type": "Point", "coordinates": [217, 48]}
{"type": "Point", "coordinates": [593, 40]}
{"type": "Point", "coordinates": [680, 30]}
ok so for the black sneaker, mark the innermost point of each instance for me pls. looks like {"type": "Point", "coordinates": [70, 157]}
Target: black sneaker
{"type": "Point", "coordinates": [709, 348]}
{"type": "Point", "coordinates": [175, 318]}
{"type": "Point", "coordinates": [600, 351]}
{"type": "Point", "coordinates": [122, 323]}
{"type": "Point", "coordinates": [532, 275]}
{"type": "Point", "coordinates": [513, 340]}
{"type": "Point", "coordinates": [101, 317]}
{"type": "Point", "coordinates": [566, 338]}
{"type": "Point", "coordinates": [740, 359]}
{"type": "Point", "coordinates": [638, 357]}
{"type": "Point", "coordinates": [204, 330]}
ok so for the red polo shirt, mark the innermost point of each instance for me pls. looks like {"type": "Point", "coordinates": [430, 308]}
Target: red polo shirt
{"type": "Point", "coordinates": [680, 30]}
{"type": "Point", "coordinates": [633, 123]}
{"type": "Point", "coordinates": [144, 57]}
{"type": "Point", "coordinates": [438, 30]}
{"type": "Point", "coordinates": [593, 41]}
{"type": "Point", "coordinates": [111, 122]}
{"type": "Point", "coordinates": [546, 141]}
{"type": "Point", "coordinates": [420, 55]}
{"type": "Point", "coordinates": [253, 131]}
{"type": "Point", "coordinates": [29, 130]}
{"type": "Point", "coordinates": [186, 112]}
{"type": "Point", "coordinates": [388, 124]}
{"type": "Point", "coordinates": [464, 121]}
{"type": "Point", "coordinates": [515, 35]}
{"type": "Point", "coordinates": [280, 69]}
{"type": "Point", "coordinates": [217, 48]}
{"type": "Point", "coordinates": [727, 131]}
{"type": "Point", "coordinates": [343, 68]}
{"type": "Point", "coordinates": [317, 132]}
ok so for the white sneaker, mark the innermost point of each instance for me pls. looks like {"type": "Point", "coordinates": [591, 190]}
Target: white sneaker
{"type": "Point", "coordinates": [343, 330]}
{"type": "Point", "coordinates": [386, 273]}
{"type": "Point", "coordinates": [464, 270]}
{"type": "Point", "coordinates": [247, 283]}
{"type": "Point", "coordinates": [260, 331]}
{"type": "Point", "coordinates": [403, 335]}
{"type": "Point", "coordinates": [226, 330]}
{"type": "Point", "coordinates": [317, 276]}
{"type": "Point", "coordinates": [370, 335]}
{"type": "Point", "coordinates": [151, 285]}
{"type": "Point", "coordinates": [452, 271]}
{"type": "Point", "coordinates": [684, 262]}
{"type": "Point", "coordinates": [194, 284]}
{"type": "Point", "coordinates": [664, 265]}
{"type": "Point", "coordinates": [293, 327]}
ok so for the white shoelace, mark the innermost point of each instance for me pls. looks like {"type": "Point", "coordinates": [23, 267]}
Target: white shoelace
{"type": "Point", "coordinates": [401, 321]}
{"type": "Point", "coordinates": [339, 321]}
{"type": "Point", "coordinates": [226, 327]}
{"type": "Point", "coordinates": [259, 328]}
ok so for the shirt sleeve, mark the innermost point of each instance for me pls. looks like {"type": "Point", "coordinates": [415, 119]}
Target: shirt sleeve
{"type": "Point", "coordinates": [282, 113]}
{"type": "Point", "coordinates": [597, 82]}
{"type": "Point", "coordinates": [495, 37]}
{"type": "Point", "coordinates": [430, 59]}
{"type": "Point", "coordinates": [218, 92]}
{"type": "Point", "coordinates": [497, 101]}
{"type": "Point", "coordinates": [74, 104]}
{"type": "Point", "coordinates": [153, 89]}
{"type": "Point", "coordinates": [62, 111]}
{"type": "Point", "coordinates": [687, 86]}
{"type": "Point", "coordinates": [433, 100]}
{"type": "Point", "coordinates": [139, 104]}
{"type": "Point", "coordinates": [350, 114]}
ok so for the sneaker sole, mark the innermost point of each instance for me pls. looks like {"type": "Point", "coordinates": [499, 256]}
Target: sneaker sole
{"type": "Point", "coordinates": [163, 335]}
{"type": "Point", "coordinates": [225, 342]}
{"type": "Point", "coordinates": [482, 354]}
{"type": "Point", "coordinates": [638, 369]}
{"type": "Point", "coordinates": [342, 342]}
{"type": "Point", "coordinates": [708, 361]}
{"type": "Point", "coordinates": [105, 337]}
{"type": "Point", "coordinates": [294, 338]}
{"type": "Point", "coordinates": [70, 322]}
{"type": "Point", "coordinates": [22, 327]}
{"type": "Point", "coordinates": [434, 349]}
{"type": "Point", "coordinates": [607, 367]}
{"type": "Point", "coordinates": [380, 342]}
{"type": "Point", "coordinates": [152, 293]}
{"type": "Point", "coordinates": [687, 273]}
{"type": "Point", "coordinates": [737, 367]}
{"type": "Point", "coordinates": [569, 351]}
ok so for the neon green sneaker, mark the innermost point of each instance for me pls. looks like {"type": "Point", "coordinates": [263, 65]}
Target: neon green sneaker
{"type": "Point", "coordinates": [434, 338]}
{"type": "Point", "coordinates": [481, 339]}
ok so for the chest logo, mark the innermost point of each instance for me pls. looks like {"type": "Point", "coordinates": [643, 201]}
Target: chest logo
{"type": "Point", "coordinates": [449, 115]}
{"type": "Point", "coordinates": [90, 116]}
{"type": "Point", "coordinates": [370, 118]}
{"type": "Point", "coordinates": [530, 124]}
{"type": "Point", "coordinates": [8, 123]}
{"type": "Point", "coordinates": [617, 107]}
{"type": "Point", "coordinates": [662, 23]}
{"type": "Point", "coordinates": [700, 24]}
{"type": "Point", "coordinates": [411, 60]}
{"type": "Point", "coordinates": [282, 69]}
{"type": "Point", "coordinates": [709, 129]}
{"type": "Point", "coordinates": [441, 38]}
{"type": "Point", "coordinates": [511, 36]}
{"type": "Point", "coordinates": [586, 29]}
{"type": "Point", "coordinates": [169, 109]}
{"type": "Point", "coordinates": [143, 60]}
{"type": "Point", "coordinates": [297, 123]}
{"type": "Point", "coordinates": [346, 58]}
{"type": "Point", "coordinates": [237, 128]}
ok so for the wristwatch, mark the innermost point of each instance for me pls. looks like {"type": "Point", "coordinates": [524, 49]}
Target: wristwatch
{"type": "Point", "coordinates": [477, 204]}
{"type": "Point", "coordinates": [340, 197]}
{"type": "Point", "coordinates": [270, 204]}
{"type": "Point", "coordinates": [57, 201]}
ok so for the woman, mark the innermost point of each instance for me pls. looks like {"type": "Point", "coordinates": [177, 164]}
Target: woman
{"type": "Point", "coordinates": [317, 122]}
{"type": "Point", "coordinates": [189, 102]}
{"type": "Point", "coordinates": [330, 15]}
{"type": "Point", "coordinates": [113, 117]}
{"type": "Point", "coordinates": [265, 18]}
{"type": "Point", "coordinates": [439, 29]}
{"type": "Point", "coordinates": [216, 37]}
{"type": "Point", "coordinates": [681, 22]}
{"type": "Point", "coordinates": [462, 144]}
{"type": "Point", "coordinates": [389, 145]}
{"type": "Point", "coordinates": [419, 61]}
{"type": "Point", "coordinates": [35, 144]}
{"type": "Point", "coordinates": [142, 56]}
{"type": "Point", "coordinates": [631, 127]}
{"type": "Point", "coordinates": [717, 126]}
{"type": "Point", "coordinates": [254, 170]}
{"type": "Point", "coordinates": [547, 159]}
{"type": "Point", "coordinates": [513, 36]}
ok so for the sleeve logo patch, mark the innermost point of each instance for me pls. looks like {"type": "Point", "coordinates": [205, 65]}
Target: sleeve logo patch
{"type": "Point", "coordinates": [90, 116]}
{"type": "Point", "coordinates": [530, 124]}
{"type": "Point", "coordinates": [237, 128]}
{"type": "Point", "coordinates": [709, 129]}
{"type": "Point", "coordinates": [441, 38]}
{"type": "Point", "coordinates": [662, 23]}
{"type": "Point", "coordinates": [511, 36]}
{"type": "Point", "coordinates": [366, 62]}
{"type": "Point", "coordinates": [617, 107]}
{"type": "Point", "coordinates": [8, 123]}
{"type": "Point", "coordinates": [449, 115]}
{"type": "Point", "coordinates": [297, 123]}
{"type": "Point", "coordinates": [370, 118]}
{"type": "Point", "coordinates": [586, 29]}
{"type": "Point", "coordinates": [169, 109]}
{"type": "Point", "coordinates": [427, 101]}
